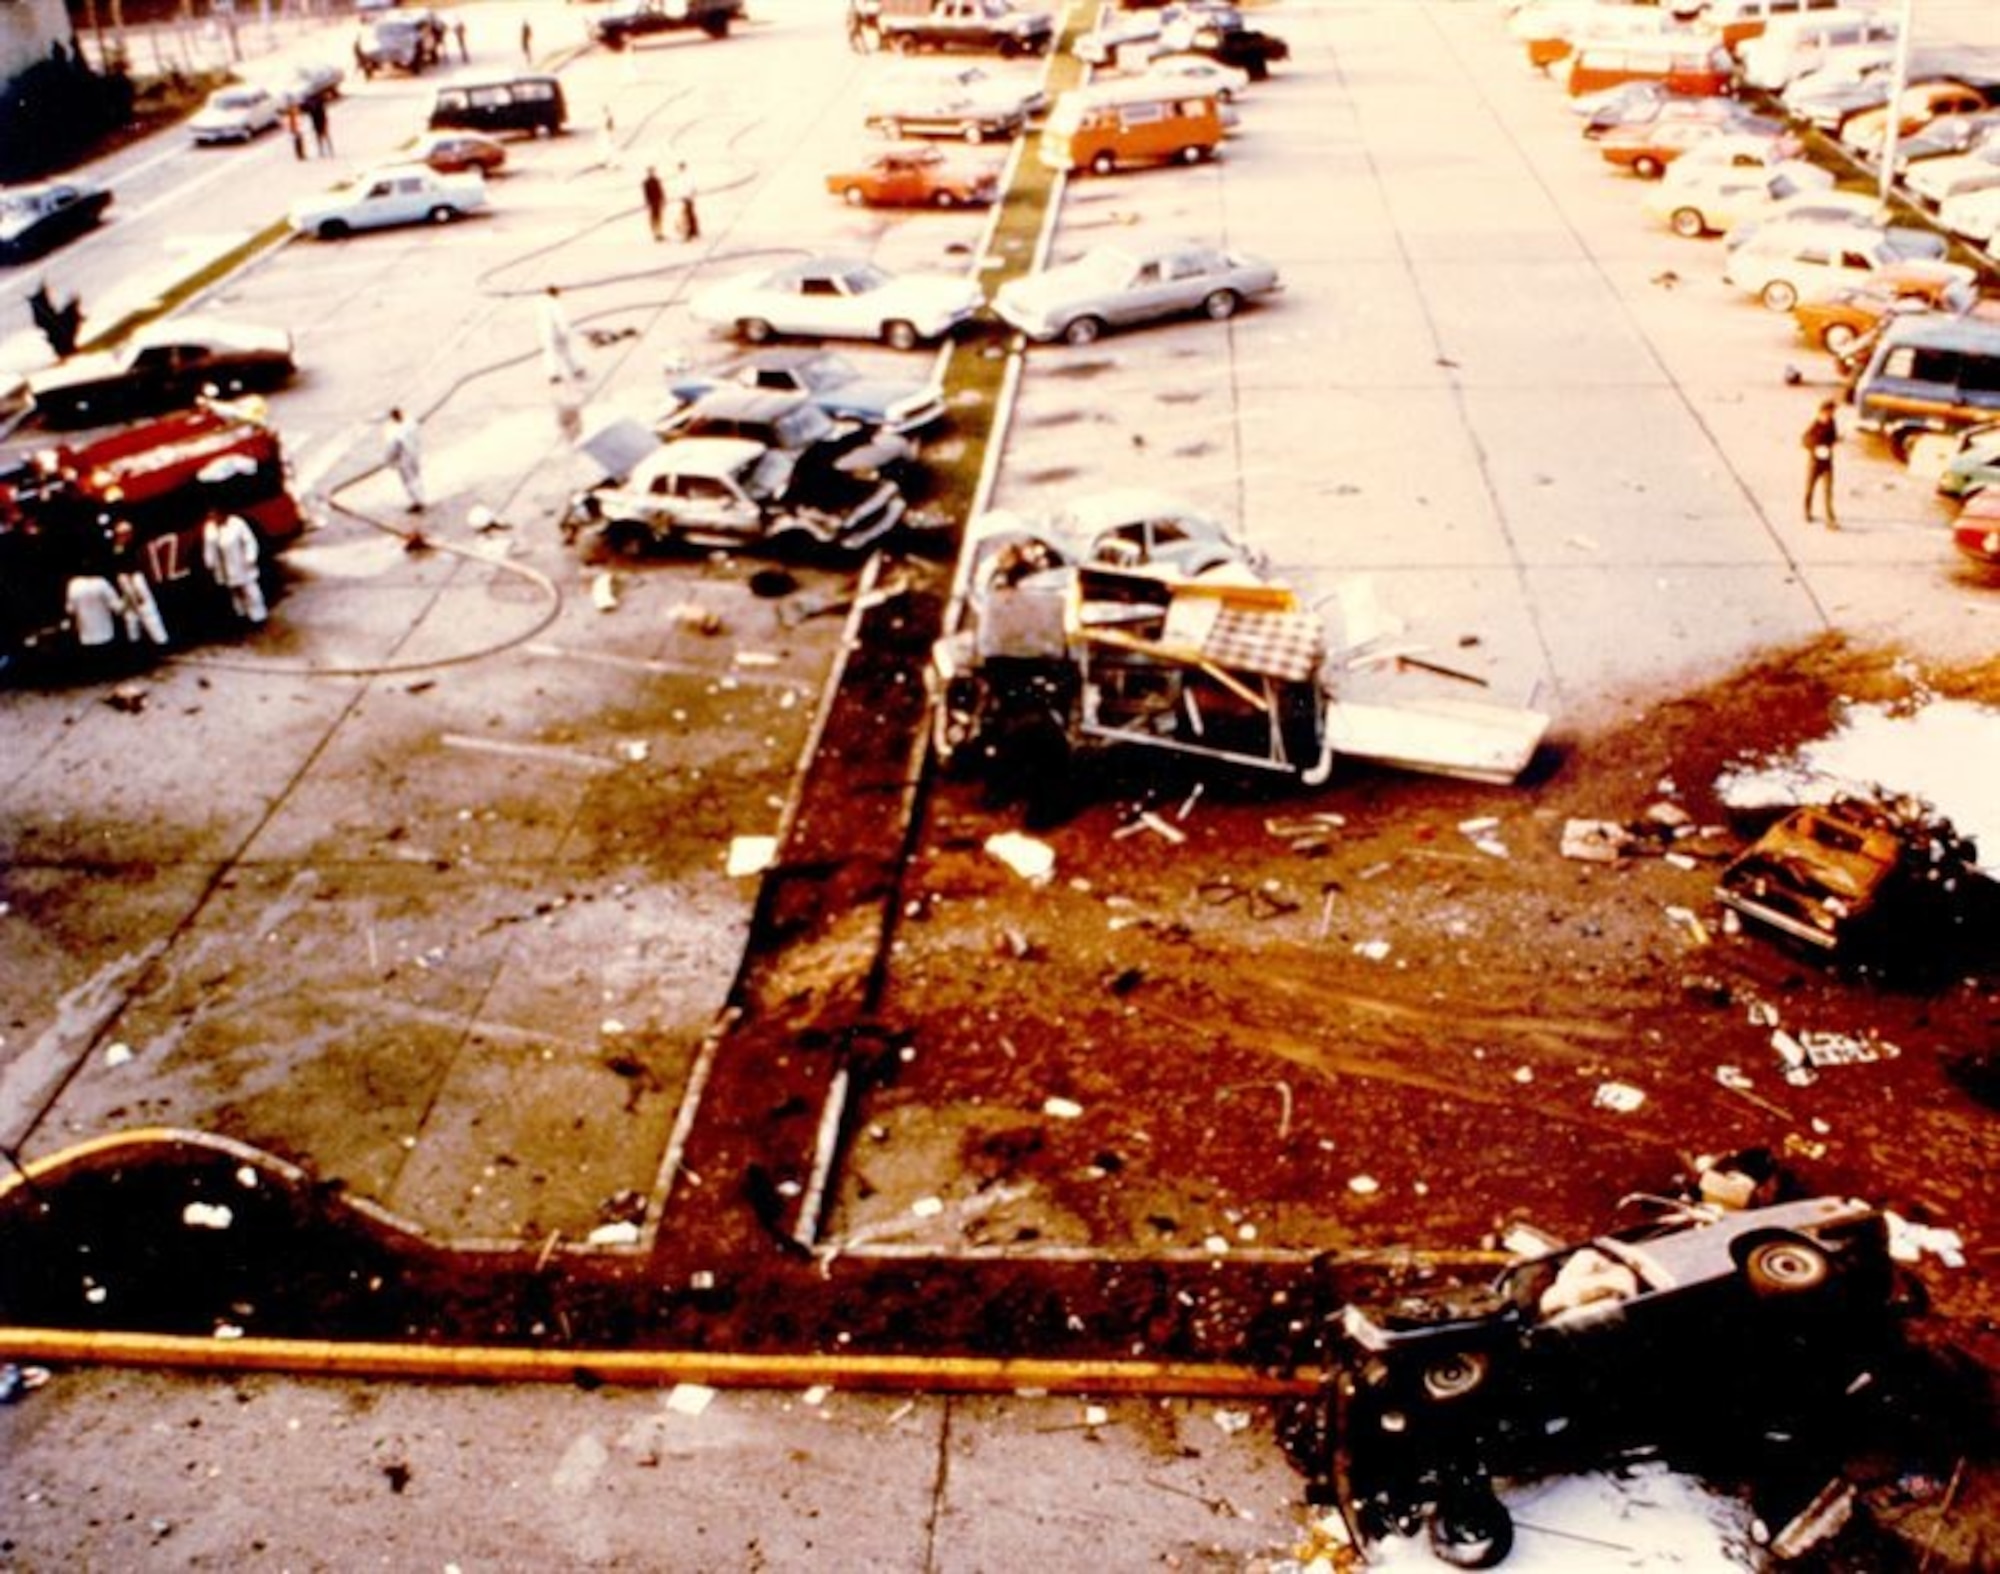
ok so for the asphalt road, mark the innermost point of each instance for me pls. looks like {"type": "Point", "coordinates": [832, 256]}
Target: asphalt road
{"type": "Point", "coordinates": [1527, 417]}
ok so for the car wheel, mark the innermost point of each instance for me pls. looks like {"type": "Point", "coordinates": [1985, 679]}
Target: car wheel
{"type": "Point", "coordinates": [1780, 295]}
{"type": "Point", "coordinates": [1471, 1529]}
{"type": "Point", "coordinates": [893, 129]}
{"type": "Point", "coordinates": [975, 134]}
{"type": "Point", "coordinates": [1786, 1267]}
{"type": "Point", "coordinates": [1083, 330]}
{"type": "Point", "coordinates": [855, 197]}
{"type": "Point", "coordinates": [1452, 1377]}
{"type": "Point", "coordinates": [944, 199]}
{"type": "Point", "coordinates": [754, 329]}
{"type": "Point", "coordinates": [1193, 155]}
{"type": "Point", "coordinates": [627, 537]}
{"type": "Point", "coordinates": [716, 26]}
{"type": "Point", "coordinates": [1838, 338]}
{"type": "Point", "coordinates": [1688, 223]}
{"type": "Point", "coordinates": [333, 229]}
{"type": "Point", "coordinates": [1646, 167]}
{"type": "Point", "coordinates": [900, 335]}
{"type": "Point", "coordinates": [1103, 164]}
{"type": "Point", "coordinates": [1221, 305]}
{"type": "Point", "coordinates": [1903, 441]}
{"type": "Point", "coordinates": [442, 214]}
{"type": "Point", "coordinates": [903, 44]}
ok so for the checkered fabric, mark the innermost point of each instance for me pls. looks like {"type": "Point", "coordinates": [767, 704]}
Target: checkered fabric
{"type": "Point", "coordinates": [1285, 645]}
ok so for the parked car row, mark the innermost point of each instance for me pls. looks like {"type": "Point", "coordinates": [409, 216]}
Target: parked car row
{"type": "Point", "coordinates": [1914, 333]}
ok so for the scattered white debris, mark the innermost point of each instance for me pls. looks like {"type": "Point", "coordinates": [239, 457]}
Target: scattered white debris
{"type": "Point", "coordinates": [1034, 861]}
{"type": "Point", "coordinates": [1733, 1077]}
{"type": "Point", "coordinates": [1620, 1097]}
{"type": "Point", "coordinates": [1909, 1242]}
{"type": "Point", "coordinates": [1373, 950]}
{"type": "Point", "coordinates": [246, 1177]}
{"type": "Point", "coordinates": [1688, 919]}
{"type": "Point", "coordinates": [750, 855]}
{"type": "Point", "coordinates": [1061, 1108]}
{"type": "Point", "coordinates": [611, 1027]}
{"type": "Point", "coordinates": [689, 1399]}
{"type": "Point", "coordinates": [927, 1207]}
{"type": "Point", "coordinates": [1230, 1422]}
{"type": "Point", "coordinates": [228, 1331]}
{"type": "Point", "coordinates": [1095, 1415]}
{"type": "Point", "coordinates": [1845, 1049]}
{"type": "Point", "coordinates": [207, 1216]}
{"type": "Point", "coordinates": [635, 749]}
{"type": "Point", "coordinates": [815, 1395]}
{"type": "Point", "coordinates": [621, 1233]}
{"type": "Point", "coordinates": [1363, 1185]}
{"type": "Point", "coordinates": [604, 592]}
{"type": "Point", "coordinates": [1215, 1245]}
{"type": "Point", "coordinates": [117, 1054]}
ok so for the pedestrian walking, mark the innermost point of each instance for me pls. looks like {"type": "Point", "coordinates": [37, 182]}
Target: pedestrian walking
{"type": "Point", "coordinates": [404, 450]}
{"type": "Point", "coordinates": [458, 33]}
{"type": "Point", "coordinates": [558, 343]}
{"type": "Point", "coordinates": [528, 42]}
{"type": "Point", "coordinates": [230, 553]}
{"type": "Point", "coordinates": [60, 325]}
{"type": "Point", "coordinates": [607, 140]}
{"type": "Point", "coordinates": [297, 131]}
{"type": "Point", "coordinates": [322, 136]}
{"type": "Point", "coordinates": [1819, 439]}
{"type": "Point", "coordinates": [135, 591]}
{"type": "Point", "coordinates": [654, 191]}
{"type": "Point", "coordinates": [681, 192]}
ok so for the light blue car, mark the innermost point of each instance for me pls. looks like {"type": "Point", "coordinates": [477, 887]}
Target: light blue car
{"type": "Point", "coordinates": [400, 194]}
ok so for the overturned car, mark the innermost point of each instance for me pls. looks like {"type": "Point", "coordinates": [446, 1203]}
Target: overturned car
{"type": "Point", "coordinates": [1128, 621]}
{"type": "Point", "coordinates": [1702, 1329]}
{"type": "Point", "coordinates": [727, 492]}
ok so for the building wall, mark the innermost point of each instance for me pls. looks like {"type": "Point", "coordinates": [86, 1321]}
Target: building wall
{"type": "Point", "coordinates": [27, 28]}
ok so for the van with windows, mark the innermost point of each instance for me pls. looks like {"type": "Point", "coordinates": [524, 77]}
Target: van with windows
{"type": "Point", "coordinates": [1791, 46]}
{"type": "Point", "coordinates": [527, 106]}
{"type": "Point", "coordinates": [1736, 22]}
{"type": "Point", "coordinates": [1694, 65]}
{"type": "Point", "coordinates": [1109, 127]}
{"type": "Point", "coordinates": [1929, 373]}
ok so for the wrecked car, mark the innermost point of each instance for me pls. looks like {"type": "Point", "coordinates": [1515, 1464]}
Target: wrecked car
{"type": "Point", "coordinates": [828, 453]}
{"type": "Point", "coordinates": [1703, 1327]}
{"type": "Point", "coordinates": [1840, 876]}
{"type": "Point", "coordinates": [727, 492]}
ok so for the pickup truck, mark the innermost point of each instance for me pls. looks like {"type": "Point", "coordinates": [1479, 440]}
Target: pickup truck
{"type": "Point", "coordinates": [907, 26]}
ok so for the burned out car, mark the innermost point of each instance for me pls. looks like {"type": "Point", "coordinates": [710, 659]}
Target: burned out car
{"type": "Point", "coordinates": [1702, 1328]}
{"type": "Point", "coordinates": [835, 383]}
{"type": "Point", "coordinates": [1855, 875]}
{"type": "Point", "coordinates": [829, 454]}
{"type": "Point", "coordinates": [725, 492]}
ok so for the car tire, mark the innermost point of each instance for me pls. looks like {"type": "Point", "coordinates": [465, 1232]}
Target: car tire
{"type": "Point", "coordinates": [716, 26]}
{"type": "Point", "coordinates": [1103, 164]}
{"type": "Point", "coordinates": [903, 44]}
{"type": "Point", "coordinates": [1786, 1267]}
{"type": "Point", "coordinates": [443, 213]}
{"type": "Point", "coordinates": [900, 335]}
{"type": "Point", "coordinates": [975, 134]}
{"type": "Point", "coordinates": [1646, 167]}
{"type": "Point", "coordinates": [1688, 223]}
{"type": "Point", "coordinates": [1083, 330]}
{"type": "Point", "coordinates": [1221, 305]}
{"type": "Point", "coordinates": [333, 229]}
{"type": "Point", "coordinates": [944, 199]}
{"type": "Point", "coordinates": [1838, 338]}
{"type": "Point", "coordinates": [1471, 1529]}
{"type": "Point", "coordinates": [855, 197]}
{"type": "Point", "coordinates": [754, 330]}
{"type": "Point", "coordinates": [1780, 295]}
{"type": "Point", "coordinates": [1451, 1378]}
{"type": "Point", "coordinates": [627, 537]}
{"type": "Point", "coordinates": [893, 129]}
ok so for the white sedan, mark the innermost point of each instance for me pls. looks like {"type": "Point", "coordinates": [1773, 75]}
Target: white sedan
{"type": "Point", "coordinates": [1118, 285]}
{"type": "Point", "coordinates": [1785, 262]}
{"type": "Point", "coordinates": [1973, 216]}
{"type": "Point", "coordinates": [400, 194]}
{"type": "Point", "coordinates": [235, 114]}
{"type": "Point", "coordinates": [1702, 199]}
{"type": "Point", "coordinates": [1195, 71]}
{"type": "Point", "coordinates": [840, 298]}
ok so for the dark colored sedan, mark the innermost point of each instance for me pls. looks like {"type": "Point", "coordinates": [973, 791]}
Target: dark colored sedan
{"type": "Point", "coordinates": [1705, 1325]}
{"type": "Point", "coordinates": [36, 219]}
{"type": "Point", "coordinates": [166, 365]}
{"type": "Point", "coordinates": [834, 383]}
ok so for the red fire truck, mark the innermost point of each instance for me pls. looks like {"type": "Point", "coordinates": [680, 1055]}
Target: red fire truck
{"type": "Point", "coordinates": [58, 505]}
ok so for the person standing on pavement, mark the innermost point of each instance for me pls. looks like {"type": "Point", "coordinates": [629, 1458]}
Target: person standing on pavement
{"type": "Point", "coordinates": [404, 450]}
{"type": "Point", "coordinates": [128, 573]}
{"type": "Point", "coordinates": [682, 192]}
{"type": "Point", "coordinates": [458, 33]}
{"type": "Point", "coordinates": [654, 192]}
{"type": "Point", "coordinates": [1819, 439]}
{"type": "Point", "coordinates": [297, 134]}
{"type": "Point", "coordinates": [322, 137]}
{"type": "Point", "coordinates": [528, 42]}
{"type": "Point", "coordinates": [91, 603]}
{"type": "Point", "coordinates": [558, 343]}
{"type": "Point", "coordinates": [230, 553]}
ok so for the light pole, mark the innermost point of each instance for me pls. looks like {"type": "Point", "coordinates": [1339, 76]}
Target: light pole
{"type": "Point", "coordinates": [1899, 77]}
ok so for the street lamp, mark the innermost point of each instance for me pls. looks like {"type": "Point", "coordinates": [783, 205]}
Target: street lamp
{"type": "Point", "coordinates": [1899, 77]}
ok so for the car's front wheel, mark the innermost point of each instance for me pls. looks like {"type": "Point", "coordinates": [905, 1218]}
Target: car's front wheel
{"type": "Point", "coordinates": [975, 134]}
{"type": "Point", "coordinates": [944, 199]}
{"type": "Point", "coordinates": [754, 330]}
{"type": "Point", "coordinates": [1646, 167]}
{"type": "Point", "coordinates": [1221, 305]}
{"type": "Point", "coordinates": [1786, 1267]}
{"type": "Point", "coordinates": [333, 229]}
{"type": "Point", "coordinates": [443, 213]}
{"type": "Point", "coordinates": [1837, 338]}
{"type": "Point", "coordinates": [1083, 330]}
{"type": "Point", "coordinates": [1688, 223]}
{"type": "Point", "coordinates": [1471, 1529]}
{"type": "Point", "coordinates": [855, 197]}
{"type": "Point", "coordinates": [1452, 1377]}
{"type": "Point", "coordinates": [900, 335]}
{"type": "Point", "coordinates": [1780, 295]}
{"type": "Point", "coordinates": [1103, 164]}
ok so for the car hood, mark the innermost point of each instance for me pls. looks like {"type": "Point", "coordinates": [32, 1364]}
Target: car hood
{"type": "Point", "coordinates": [85, 368]}
{"type": "Point", "coordinates": [874, 398]}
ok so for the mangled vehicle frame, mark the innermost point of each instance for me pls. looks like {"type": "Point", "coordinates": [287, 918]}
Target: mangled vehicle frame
{"type": "Point", "coordinates": [1130, 622]}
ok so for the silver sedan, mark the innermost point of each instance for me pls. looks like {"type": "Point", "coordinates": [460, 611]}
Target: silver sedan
{"type": "Point", "coordinates": [1115, 286]}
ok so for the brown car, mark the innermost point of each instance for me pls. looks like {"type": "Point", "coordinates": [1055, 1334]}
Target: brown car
{"type": "Point", "coordinates": [914, 175]}
{"type": "Point", "coordinates": [453, 152]}
{"type": "Point", "coordinates": [1840, 319]}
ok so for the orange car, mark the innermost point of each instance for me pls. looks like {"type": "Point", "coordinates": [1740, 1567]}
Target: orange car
{"type": "Point", "coordinates": [1840, 319]}
{"type": "Point", "coordinates": [914, 175]}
